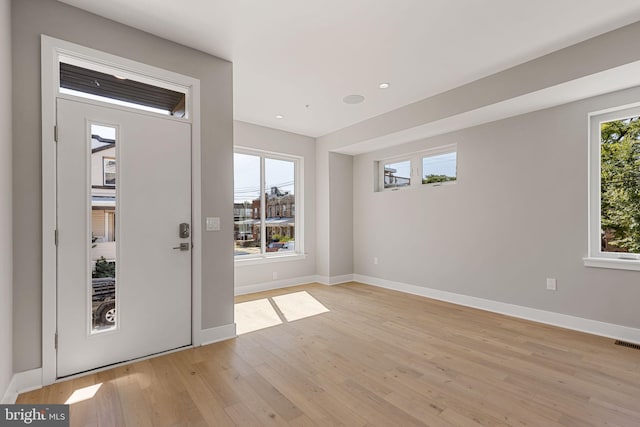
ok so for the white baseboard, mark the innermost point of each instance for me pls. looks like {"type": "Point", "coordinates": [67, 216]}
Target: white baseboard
{"type": "Point", "coordinates": [334, 280]}
{"type": "Point", "coordinates": [275, 284]}
{"type": "Point", "coordinates": [296, 281]}
{"type": "Point", "coordinates": [594, 327]}
{"type": "Point", "coordinates": [221, 333]}
{"type": "Point", "coordinates": [22, 382]}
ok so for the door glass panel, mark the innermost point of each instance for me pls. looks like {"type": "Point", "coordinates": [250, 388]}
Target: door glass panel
{"type": "Point", "coordinates": [280, 201]}
{"type": "Point", "coordinates": [103, 228]}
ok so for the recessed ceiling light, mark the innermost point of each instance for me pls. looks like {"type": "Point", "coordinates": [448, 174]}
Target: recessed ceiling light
{"type": "Point", "coordinates": [279, 116]}
{"type": "Point", "coordinates": [119, 77]}
{"type": "Point", "coordinates": [353, 99]}
{"type": "Point", "coordinates": [384, 85]}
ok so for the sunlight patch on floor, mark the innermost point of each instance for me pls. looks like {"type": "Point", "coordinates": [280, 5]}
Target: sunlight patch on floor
{"type": "Point", "coordinates": [254, 315]}
{"type": "Point", "coordinates": [266, 312]}
{"type": "Point", "coordinates": [83, 394]}
{"type": "Point", "coordinates": [299, 305]}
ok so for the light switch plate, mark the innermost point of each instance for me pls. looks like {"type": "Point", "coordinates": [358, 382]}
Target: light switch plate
{"type": "Point", "coordinates": [212, 223]}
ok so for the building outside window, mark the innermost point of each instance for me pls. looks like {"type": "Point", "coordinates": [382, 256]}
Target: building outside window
{"type": "Point", "coordinates": [397, 174]}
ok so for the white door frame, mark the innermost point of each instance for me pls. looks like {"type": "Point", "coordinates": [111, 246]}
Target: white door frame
{"type": "Point", "coordinates": [51, 51]}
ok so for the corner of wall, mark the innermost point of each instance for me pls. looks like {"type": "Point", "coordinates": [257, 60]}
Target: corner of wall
{"type": "Point", "coordinates": [22, 382]}
{"type": "Point", "coordinates": [217, 334]}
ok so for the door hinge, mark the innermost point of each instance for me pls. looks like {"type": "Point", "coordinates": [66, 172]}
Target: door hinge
{"type": "Point", "coordinates": [55, 133]}
{"type": "Point", "coordinates": [55, 237]}
{"type": "Point", "coordinates": [55, 340]}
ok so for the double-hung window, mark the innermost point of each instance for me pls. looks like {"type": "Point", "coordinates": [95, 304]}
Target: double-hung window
{"type": "Point", "coordinates": [614, 189]}
{"type": "Point", "coordinates": [430, 167]}
{"type": "Point", "coordinates": [267, 187]}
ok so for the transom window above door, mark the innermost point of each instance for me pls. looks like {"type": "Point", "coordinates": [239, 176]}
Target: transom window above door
{"type": "Point", "coordinates": [116, 87]}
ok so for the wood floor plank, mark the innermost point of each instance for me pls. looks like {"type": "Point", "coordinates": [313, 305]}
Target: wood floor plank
{"type": "Point", "coordinates": [375, 358]}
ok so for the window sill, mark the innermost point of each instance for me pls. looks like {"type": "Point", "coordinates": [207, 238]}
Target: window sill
{"type": "Point", "coordinates": [617, 264]}
{"type": "Point", "coordinates": [268, 259]}
{"type": "Point", "coordinates": [416, 186]}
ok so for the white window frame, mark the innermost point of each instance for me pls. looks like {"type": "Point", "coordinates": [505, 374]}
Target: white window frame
{"type": "Point", "coordinates": [417, 173]}
{"type": "Point", "coordinates": [597, 258]}
{"type": "Point", "coordinates": [268, 257]}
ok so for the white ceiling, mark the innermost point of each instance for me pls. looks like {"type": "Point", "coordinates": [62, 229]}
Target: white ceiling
{"type": "Point", "coordinates": [288, 54]}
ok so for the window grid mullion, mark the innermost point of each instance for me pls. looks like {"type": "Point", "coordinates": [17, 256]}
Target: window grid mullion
{"type": "Point", "coordinates": [263, 208]}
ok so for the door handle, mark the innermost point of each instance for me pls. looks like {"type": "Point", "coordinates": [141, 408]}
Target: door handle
{"type": "Point", "coordinates": [183, 246]}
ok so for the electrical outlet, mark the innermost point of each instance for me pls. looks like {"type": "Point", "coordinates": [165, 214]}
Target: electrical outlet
{"type": "Point", "coordinates": [552, 285]}
{"type": "Point", "coordinates": [375, 260]}
{"type": "Point", "coordinates": [275, 275]}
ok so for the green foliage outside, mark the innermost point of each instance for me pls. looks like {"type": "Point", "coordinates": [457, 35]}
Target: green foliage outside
{"type": "Point", "coordinates": [431, 179]}
{"type": "Point", "coordinates": [620, 183]}
{"type": "Point", "coordinates": [104, 268]}
{"type": "Point", "coordinates": [280, 238]}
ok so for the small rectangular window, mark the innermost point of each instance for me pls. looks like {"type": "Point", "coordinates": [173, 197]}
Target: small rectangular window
{"type": "Point", "coordinates": [397, 174]}
{"type": "Point", "coordinates": [439, 168]}
{"type": "Point", "coordinates": [104, 251]}
{"type": "Point", "coordinates": [433, 166]}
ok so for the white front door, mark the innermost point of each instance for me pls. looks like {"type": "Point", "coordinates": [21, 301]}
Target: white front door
{"type": "Point", "coordinates": [124, 260]}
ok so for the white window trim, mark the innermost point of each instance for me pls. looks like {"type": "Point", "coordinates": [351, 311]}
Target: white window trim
{"type": "Point", "coordinates": [247, 260]}
{"type": "Point", "coordinates": [597, 258]}
{"type": "Point", "coordinates": [417, 173]}
{"type": "Point", "coordinates": [52, 50]}
{"type": "Point", "coordinates": [298, 254]}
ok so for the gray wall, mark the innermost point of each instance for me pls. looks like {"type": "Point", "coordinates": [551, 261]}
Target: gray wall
{"type": "Point", "coordinates": [34, 17]}
{"type": "Point", "coordinates": [6, 281]}
{"type": "Point", "coordinates": [323, 222]}
{"type": "Point", "coordinates": [517, 215]}
{"type": "Point", "coordinates": [341, 211]}
{"type": "Point", "coordinates": [334, 213]}
{"type": "Point", "coordinates": [262, 138]}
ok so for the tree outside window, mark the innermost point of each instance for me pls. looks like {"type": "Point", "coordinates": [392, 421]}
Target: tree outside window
{"type": "Point", "coordinates": [620, 185]}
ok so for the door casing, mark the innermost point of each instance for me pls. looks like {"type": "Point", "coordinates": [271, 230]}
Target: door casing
{"type": "Point", "coordinates": [51, 51]}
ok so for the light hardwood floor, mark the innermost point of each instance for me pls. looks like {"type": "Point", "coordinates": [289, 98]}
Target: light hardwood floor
{"type": "Point", "coordinates": [377, 357]}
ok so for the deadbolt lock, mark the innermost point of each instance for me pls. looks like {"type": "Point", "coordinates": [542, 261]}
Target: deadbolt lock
{"type": "Point", "coordinates": [184, 230]}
